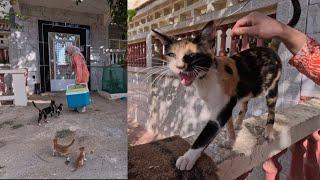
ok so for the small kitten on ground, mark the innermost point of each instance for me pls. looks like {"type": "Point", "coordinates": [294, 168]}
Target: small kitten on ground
{"type": "Point", "coordinates": [59, 109]}
{"type": "Point", "coordinates": [43, 113]}
{"type": "Point", "coordinates": [62, 150]}
{"type": "Point", "coordinates": [81, 158]}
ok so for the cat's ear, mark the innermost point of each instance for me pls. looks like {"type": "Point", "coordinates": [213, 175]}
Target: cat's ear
{"type": "Point", "coordinates": [165, 40]}
{"type": "Point", "coordinates": [207, 35]}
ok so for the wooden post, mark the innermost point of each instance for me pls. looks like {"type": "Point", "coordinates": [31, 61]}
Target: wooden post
{"type": "Point", "coordinates": [272, 167]}
{"type": "Point", "coordinates": [222, 51]}
{"type": "Point", "coordinates": [260, 42]}
{"type": "Point", "coordinates": [245, 42]}
{"type": "Point", "coordinates": [296, 167]}
{"type": "Point", "coordinates": [311, 166]}
{"type": "Point", "coordinates": [149, 50]}
{"type": "Point", "coordinates": [233, 49]}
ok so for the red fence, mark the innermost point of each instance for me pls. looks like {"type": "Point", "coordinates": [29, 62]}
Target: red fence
{"type": "Point", "coordinates": [136, 53]}
{"type": "Point", "coordinates": [2, 84]}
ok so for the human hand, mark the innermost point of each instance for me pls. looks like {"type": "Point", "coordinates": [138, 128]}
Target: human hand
{"type": "Point", "coordinates": [258, 24]}
{"type": "Point", "coordinates": [262, 26]}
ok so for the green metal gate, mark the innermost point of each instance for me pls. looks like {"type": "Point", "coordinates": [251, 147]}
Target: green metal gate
{"type": "Point", "coordinates": [114, 79]}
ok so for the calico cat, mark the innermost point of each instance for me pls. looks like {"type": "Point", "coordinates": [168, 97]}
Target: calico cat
{"type": "Point", "coordinates": [43, 113]}
{"type": "Point", "coordinates": [222, 82]}
{"type": "Point", "coordinates": [81, 158]}
{"type": "Point", "coordinates": [62, 150]}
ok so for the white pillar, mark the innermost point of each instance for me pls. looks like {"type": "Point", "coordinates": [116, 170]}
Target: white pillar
{"type": "Point", "coordinates": [19, 89]}
{"type": "Point", "coordinates": [149, 50]}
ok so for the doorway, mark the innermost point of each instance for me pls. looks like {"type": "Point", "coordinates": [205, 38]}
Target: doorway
{"type": "Point", "coordinates": [55, 68]}
{"type": "Point", "coordinates": [61, 74]}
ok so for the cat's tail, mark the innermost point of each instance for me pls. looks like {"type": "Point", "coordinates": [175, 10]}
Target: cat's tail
{"type": "Point", "coordinates": [71, 143]}
{"type": "Point", "coordinates": [34, 104]}
{"type": "Point", "coordinates": [275, 43]}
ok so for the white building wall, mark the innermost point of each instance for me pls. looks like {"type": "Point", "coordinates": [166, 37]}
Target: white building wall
{"type": "Point", "coordinates": [24, 42]}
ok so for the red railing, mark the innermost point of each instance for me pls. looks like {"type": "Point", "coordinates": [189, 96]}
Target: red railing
{"type": "Point", "coordinates": [2, 84]}
{"type": "Point", "coordinates": [136, 54]}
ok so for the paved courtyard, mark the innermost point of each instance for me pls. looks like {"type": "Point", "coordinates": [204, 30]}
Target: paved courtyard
{"type": "Point", "coordinates": [26, 148]}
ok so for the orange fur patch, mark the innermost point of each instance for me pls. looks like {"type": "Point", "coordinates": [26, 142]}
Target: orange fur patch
{"type": "Point", "coordinates": [228, 81]}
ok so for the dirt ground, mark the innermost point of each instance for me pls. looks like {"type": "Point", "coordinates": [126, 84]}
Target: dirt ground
{"type": "Point", "coordinates": [26, 148]}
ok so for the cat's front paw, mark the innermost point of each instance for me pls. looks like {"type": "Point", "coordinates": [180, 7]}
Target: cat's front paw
{"type": "Point", "coordinates": [187, 161]}
{"type": "Point", "coordinates": [269, 134]}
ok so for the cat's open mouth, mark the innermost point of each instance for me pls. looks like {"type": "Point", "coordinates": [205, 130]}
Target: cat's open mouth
{"type": "Point", "coordinates": [187, 78]}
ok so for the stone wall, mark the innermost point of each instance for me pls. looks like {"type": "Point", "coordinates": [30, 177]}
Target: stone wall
{"type": "Point", "coordinates": [24, 43]}
{"type": "Point", "coordinates": [169, 109]}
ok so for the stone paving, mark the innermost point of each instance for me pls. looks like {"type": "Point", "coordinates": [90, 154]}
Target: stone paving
{"type": "Point", "coordinates": [26, 148]}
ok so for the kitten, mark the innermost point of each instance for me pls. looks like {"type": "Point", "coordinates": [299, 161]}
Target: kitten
{"type": "Point", "coordinates": [62, 150]}
{"type": "Point", "coordinates": [81, 158]}
{"type": "Point", "coordinates": [59, 109]}
{"type": "Point", "coordinates": [222, 82]}
{"type": "Point", "coordinates": [43, 113]}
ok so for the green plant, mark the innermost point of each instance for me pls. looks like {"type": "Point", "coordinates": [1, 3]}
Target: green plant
{"type": "Point", "coordinates": [131, 14]}
{"type": "Point", "coordinates": [6, 123]}
{"type": "Point", "coordinates": [10, 17]}
{"type": "Point", "coordinates": [16, 126]}
{"type": "Point", "coordinates": [64, 133]}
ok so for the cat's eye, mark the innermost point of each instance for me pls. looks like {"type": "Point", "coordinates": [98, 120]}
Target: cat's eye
{"type": "Point", "coordinates": [192, 55]}
{"type": "Point", "coordinates": [171, 54]}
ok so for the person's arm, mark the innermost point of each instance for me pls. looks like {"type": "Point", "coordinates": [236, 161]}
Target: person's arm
{"type": "Point", "coordinates": [78, 69]}
{"type": "Point", "coordinates": [265, 27]}
{"type": "Point", "coordinates": [307, 60]}
{"type": "Point", "coordinates": [306, 51]}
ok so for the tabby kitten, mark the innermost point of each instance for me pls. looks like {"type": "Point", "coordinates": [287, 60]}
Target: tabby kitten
{"type": "Point", "coordinates": [81, 158]}
{"type": "Point", "coordinates": [222, 82]}
{"type": "Point", "coordinates": [62, 150]}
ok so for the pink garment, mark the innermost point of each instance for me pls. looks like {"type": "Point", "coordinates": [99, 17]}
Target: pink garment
{"type": "Point", "coordinates": [80, 68]}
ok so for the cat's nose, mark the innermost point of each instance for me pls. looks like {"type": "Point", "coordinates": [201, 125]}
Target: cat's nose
{"type": "Point", "coordinates": [181, 66]}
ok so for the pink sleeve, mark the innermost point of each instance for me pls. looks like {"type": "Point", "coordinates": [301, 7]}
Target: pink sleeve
{"type": "Point", "coordinates": [77, 68]}
{"type": "Point", "coordinates": [307, 60]}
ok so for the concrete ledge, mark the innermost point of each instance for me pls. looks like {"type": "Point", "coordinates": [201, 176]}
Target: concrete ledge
{"type": "Point", "coordinates": [6, 98]}
{"type": "Point", "coordinates": [156, 160]}
{"type": "Point", "coordinates": [13, 71]}
{"type": "Point", "coordinates": [251, 149]}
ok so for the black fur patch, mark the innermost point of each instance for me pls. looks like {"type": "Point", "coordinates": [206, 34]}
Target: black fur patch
{"type": "Point", "coordinates": [253, 65]}
{"type": "Point", "coordinates": [226, 112]}
{"type": "Point", "coordinates": [228, 69]}
{"type": "Point", "coordinates": [207, 134]}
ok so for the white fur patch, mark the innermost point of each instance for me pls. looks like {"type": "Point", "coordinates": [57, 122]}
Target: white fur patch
{"type": "Point", "coordinates": [210, 90]}
{"type": "Point", "coordinates": [187, 161]}
{"type": "Point", "coordinates": [269, 133]}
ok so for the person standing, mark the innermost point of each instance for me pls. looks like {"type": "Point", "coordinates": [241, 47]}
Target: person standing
{"type": "Point", "coordinates": [79, 66]}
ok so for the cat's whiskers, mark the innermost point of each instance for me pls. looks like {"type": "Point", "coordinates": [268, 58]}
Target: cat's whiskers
{"type": "Point", "coordinates": [156, 71]}
{"type": "Point", "coordinates": [159, 76]}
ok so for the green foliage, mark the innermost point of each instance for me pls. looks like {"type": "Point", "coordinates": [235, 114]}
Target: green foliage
{"type": "Point", "coordinates": [131, 14]}
{"type": "Point", "coordinates": [10, 17]}
{"type": "Point", "coordinates": [119, 14]}
{"type": "Point", "coordinates": [64, 133]}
